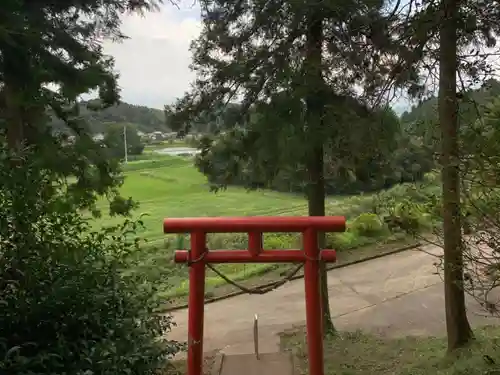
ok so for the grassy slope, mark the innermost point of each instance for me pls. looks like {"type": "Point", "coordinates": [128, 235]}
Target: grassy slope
{"type": "Point", "coordinates": [357, 353]}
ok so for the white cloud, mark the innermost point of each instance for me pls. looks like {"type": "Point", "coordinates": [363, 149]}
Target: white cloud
{"type": "Point", "coordinates": [154, 63]}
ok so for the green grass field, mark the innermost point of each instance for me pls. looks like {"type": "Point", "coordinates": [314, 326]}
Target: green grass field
{"type": "Point", "coordinates": [172, 187]}
{"type": "Point", "coordinates": [168, 186]}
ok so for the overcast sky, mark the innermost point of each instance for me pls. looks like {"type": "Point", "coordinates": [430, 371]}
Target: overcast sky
{"type": "Point", "coordinates": [154, 63]}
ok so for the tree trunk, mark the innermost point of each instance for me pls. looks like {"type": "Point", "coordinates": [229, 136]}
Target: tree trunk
{"type": "Point", "coordinates": [315, 163]}
{"type": "Point", "coordinates": [15, 93]}
{"type": "Point", "coordinates": [316, 203]}
{"type": "Point", "coordinates": [14, 130]}
{"type": "Point", "coordinates": [457, 325]}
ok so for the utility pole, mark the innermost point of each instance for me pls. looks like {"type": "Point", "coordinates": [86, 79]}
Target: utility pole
{"type": "Point", "coordinates": [125, 143]}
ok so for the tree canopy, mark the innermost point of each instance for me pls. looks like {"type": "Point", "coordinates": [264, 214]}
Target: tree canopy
{"type": "Point", "coordinates": [50, 54]}
{"type": "Point", "coordinates": [257, 157]}
{"type": "Point", "coordinates": [67, 306]}
{"type": "Point", "coordinates": [118, 136]}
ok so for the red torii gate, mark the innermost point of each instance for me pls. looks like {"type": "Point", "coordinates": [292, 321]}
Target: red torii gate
{"type": "Point", "coordinates": [199, 255]}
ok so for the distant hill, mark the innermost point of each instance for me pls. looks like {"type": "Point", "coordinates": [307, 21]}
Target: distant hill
{"type": "Point", "coordinates": [144, 118]}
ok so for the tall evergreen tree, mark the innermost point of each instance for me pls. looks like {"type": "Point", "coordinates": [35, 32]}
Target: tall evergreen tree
{"type": "Point", "coordinates": [51, 53]}
{"type": "Point", "coordinates": [296, 57]}
{"type": "Point", "coordinates": [449, 39]}
{"type": "Point", "coordinates": [457, 324]}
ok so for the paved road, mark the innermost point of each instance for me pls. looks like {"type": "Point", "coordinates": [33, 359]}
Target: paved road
{"type": "Point", "coordinates": [396, 295]}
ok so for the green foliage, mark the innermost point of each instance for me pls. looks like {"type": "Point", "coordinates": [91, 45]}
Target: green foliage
{"type": "Point", "coordinates": [413, 209]}
{"type": "Point", "coordinates": [475, 106]}
{"type": "Point", "coordinates": [66, 305]}
{"type": "Point", "coordinates": [479, 138]}
{"type": "Point", "coordinates": [422, 118]}
{"type": "Point", "coordinates": [367, 225]}
{"type": "Point", "coordinates": [345, 241]}
{"type": "Point", "coordinates": [267, 157]}
{"type": "Point", "coordinates": [250, 61]}
{"type": "Point", "coordinates": [415, 30]}
{"type": "Point", "coordinates": [84, 171]}
{"type": "Point", "coordinates": [364, 229]}
{"type": "Point", "coordinates": [479, 145]}
{"type": "Point", "coordinates": [480, 172]}
{"type": "Point", "coordinates": [212, 121]}
{"type": "Point", "coordinates": [55, 43]}
{"type": "Point", "coordinates": [481, 206]}
{"type": "Point", "coordinates": [115, 137]}
{"type": "Point", "coordinates": [50, 54]}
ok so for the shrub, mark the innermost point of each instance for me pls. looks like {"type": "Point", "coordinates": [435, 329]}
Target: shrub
{"type": "Point", "coordinates": [410, 217]}
{"type": "Point", "coordinates": [368, 225]}
{"type": "Point", "coordinates": [343, 241]}
{"type": "Point", "coordinates": [66, 305]}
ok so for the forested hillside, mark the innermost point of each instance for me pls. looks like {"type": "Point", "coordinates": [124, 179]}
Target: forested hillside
{"type": "Point", "coordinates": [471, 103]}
{"type": "Point", "coordinates": [145, 119]}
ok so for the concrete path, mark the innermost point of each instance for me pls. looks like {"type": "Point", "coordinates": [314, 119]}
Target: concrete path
{"type": "Point", "coordinates": [397, 295]}
{"type": "Point", "coordinates": [246, 364]}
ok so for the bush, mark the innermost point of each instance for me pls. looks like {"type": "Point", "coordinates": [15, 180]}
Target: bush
{"type": "Point", "coordinates": [410, 217]}
{"type": "Point", "coordinates": [66, 306]}
{"type": "Point", "coordinates": [343, 241]}
{"type": "Point", "coordinates": [368, 225]}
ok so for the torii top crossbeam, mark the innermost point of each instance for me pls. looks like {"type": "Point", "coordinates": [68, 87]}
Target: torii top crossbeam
{"type": "Point", "coordinates": [263, 224]}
